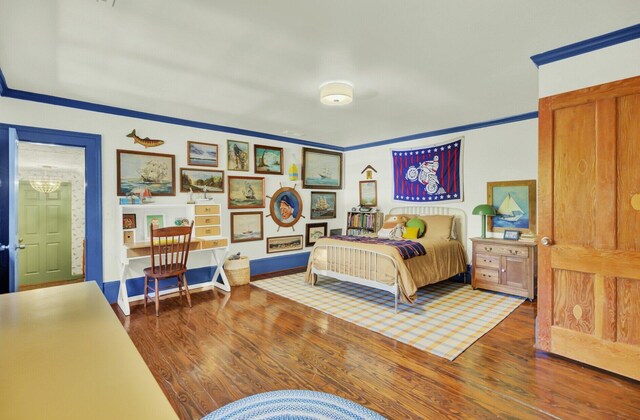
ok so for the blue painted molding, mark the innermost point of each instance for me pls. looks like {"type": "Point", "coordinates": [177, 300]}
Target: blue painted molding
{"type": "Point", "coordinates": [588, 45]}
{"type": "Point", "coordinates": [3, 84]}
{"type": "Point", "coordinates": [281, 262]}
{"type": "Point", "coordinates": [467, 127]}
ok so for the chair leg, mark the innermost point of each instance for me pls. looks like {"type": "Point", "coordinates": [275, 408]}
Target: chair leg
{"type": "Point", "coordinates": [157, 293]}
{"type": "Point", "coordinates": [186, 288]}
{"type": "Point", "coordinates": [146, 291]}
{"type": "Point", "coordinates": [180, 288]}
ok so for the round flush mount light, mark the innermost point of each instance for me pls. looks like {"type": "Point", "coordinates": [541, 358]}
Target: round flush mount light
{"type": "Point", "coordinates": [336, 93]}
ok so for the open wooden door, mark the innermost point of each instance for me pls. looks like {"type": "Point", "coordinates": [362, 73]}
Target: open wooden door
{"type": "Point", "coordinates": [589, 226]}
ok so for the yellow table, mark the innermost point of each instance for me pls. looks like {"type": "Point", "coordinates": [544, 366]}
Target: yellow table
{"type": "Point", "coordinates": [65, 355]}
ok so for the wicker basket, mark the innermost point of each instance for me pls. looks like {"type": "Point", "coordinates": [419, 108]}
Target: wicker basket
{"type": "Point", "coordinates": [238, 271]}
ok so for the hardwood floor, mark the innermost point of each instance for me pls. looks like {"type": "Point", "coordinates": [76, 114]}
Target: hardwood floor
{"type": "Point", "coordinates": [231, 346]}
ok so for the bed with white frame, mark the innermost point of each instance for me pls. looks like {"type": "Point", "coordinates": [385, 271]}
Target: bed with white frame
{"type": "Point", "coordinates": [347, 261]}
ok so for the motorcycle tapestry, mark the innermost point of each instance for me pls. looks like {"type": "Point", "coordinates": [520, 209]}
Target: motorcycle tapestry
{"type": "Point", "coordinates": [429, 174]}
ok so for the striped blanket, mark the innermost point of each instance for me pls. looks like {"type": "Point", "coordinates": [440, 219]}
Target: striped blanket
{"type": "Point", "coordinates": [407, 249]}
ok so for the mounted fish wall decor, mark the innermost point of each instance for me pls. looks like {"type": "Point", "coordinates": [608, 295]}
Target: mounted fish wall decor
{"type": "Point", "coordinates": [146, 142]}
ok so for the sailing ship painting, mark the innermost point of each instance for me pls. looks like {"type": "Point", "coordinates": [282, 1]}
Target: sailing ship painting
{"type": "Point", "coordinates": [512, 205]}
{"type": "Point", "coordinates": [323, 205]}
{"type": "Point", "coordinates": [321, 169]}
{"type": "Point", "coordinates": [151, 171]}
{"type": "Point", "coordinates": [246, 192]}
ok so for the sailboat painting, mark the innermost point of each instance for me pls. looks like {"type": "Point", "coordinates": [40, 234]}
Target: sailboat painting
{"type": "Point", "coordinates": [323, 205]}
{"type": "Point", "coordinates": [246, 192]}
{"type": "Point", "coordinates": [321, 169]}
{"type": "Point", "coordinates": [514, 204]}
{"type": "Point", "coordinates": [154, 172]}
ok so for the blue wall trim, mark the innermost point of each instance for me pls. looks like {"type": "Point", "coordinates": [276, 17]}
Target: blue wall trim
{"type": "Point", "coordinates": [474, 126]}
{"type": "Point", "coordinates": [281, 262]}
{"type": "Point", "coordinates": [588, 45]}
{"type": "Point", "coordinates": [3, 84]}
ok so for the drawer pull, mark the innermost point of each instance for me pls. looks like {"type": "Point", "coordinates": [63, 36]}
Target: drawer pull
{"type": "Point", "coordinates": [514, 251]}
{"type": "Point", "coordinates": [488, 248]}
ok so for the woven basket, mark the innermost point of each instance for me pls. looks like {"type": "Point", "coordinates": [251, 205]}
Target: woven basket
{"type": "Point", "coordinates": [238, 271]}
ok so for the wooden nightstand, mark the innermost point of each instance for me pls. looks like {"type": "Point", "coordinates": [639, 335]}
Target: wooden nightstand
{"type": "Point", "coordinates": [505, 266]}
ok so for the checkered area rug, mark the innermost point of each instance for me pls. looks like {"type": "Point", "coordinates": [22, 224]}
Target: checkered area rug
{"type": "Point", "coordinates": [446, 318]}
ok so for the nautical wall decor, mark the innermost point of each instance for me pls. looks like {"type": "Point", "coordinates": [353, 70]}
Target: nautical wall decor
{"type": "Point", "coordinates": [146, 142]}
{"type": "Point", "coordinates": [286, 207]}
{"type": "Point", "coordinates": [515, 204]}
{"type": "Point", "coordinates": [428, 174]}
{"type": "Point", "coordinates": [137, 171]}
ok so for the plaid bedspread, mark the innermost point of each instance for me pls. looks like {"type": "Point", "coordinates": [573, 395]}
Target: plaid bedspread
{"type": "Point", "coordinates": [407, 249]}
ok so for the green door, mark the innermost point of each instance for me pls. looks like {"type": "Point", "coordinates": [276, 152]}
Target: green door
{"type": "Point", "coordinates": [44, 226]}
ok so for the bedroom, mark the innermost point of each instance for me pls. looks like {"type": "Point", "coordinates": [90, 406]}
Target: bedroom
{"type": "Point", "coordinates": [505, 148]}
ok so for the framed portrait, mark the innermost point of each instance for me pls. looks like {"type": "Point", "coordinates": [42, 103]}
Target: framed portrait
{"type": "Point", "coordinates": [314, 232]}
{"type": "Point", "coordinates": [246, 192]}
{"type": "Point", "coordinates": [140, 171]}
{"type": "Point", "coordinates": [284, 243]}
{"type": "Point", "coordinates": [201, 180]}
{"type": "Point", "coordinates": [511, 235]}
{"type": "Point", "coordinates": [237, 155]}
{"type": "Point", "coordinates": [157, 220]}
{"type": "Point", "coordinates": [368, 194]}
{"type": "Point", "coordinates": [202, 154]}
{"type": "Point", "coordinates": [246, 227]}
{"type": "Point", "coordinates": [321, 169]}
{"type": "Point", "coordinates": [129, 221]}
{"type": "Point", "coordinates": [515, 204]}
{"type": "Point", "coordinates": [285, 207]}
{"type": "Point", "coordinates": [335, 232]}
{"type": "Point", "coordinates": [323, 205]}
{"type": "Point", "coordinates": [268, 160]}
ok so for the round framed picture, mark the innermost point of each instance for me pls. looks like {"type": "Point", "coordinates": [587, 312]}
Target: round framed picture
{"type": "Point", "coordinates": [286, 207]}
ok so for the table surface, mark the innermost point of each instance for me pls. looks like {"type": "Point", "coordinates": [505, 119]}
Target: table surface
{"type": "Point", "coordinates": [64, 354]}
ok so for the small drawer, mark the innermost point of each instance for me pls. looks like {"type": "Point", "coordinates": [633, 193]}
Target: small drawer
{"type": "Point", "coordinates": [207, 231]}
{"type": "Point", "coordinates": [207, 220]}
{"type": "Point", "coordinates": [514, 251]}
{"type": "Point", "coordinates": [215, 243]}
{"type": "Point", "coordinates": [491, 276]}
{"type": "Point", "coordinates": [207, 208]}
{"type": "Point", "coordinates": [491, 261]}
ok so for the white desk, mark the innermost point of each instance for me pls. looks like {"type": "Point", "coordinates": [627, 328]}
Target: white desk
{"type": "Point", "coordinates": [130, 252]}
{"type": "Point", "coordinates": [65, 355]}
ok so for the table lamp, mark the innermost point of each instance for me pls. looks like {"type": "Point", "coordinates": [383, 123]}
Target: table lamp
{"type": "Point", "coordinates": [484, 210]}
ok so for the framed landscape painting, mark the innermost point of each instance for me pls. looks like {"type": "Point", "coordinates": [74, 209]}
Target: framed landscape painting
{"type": "Point", "coordinates": [284, 243]}
{"type": "Point", "coordinates": [140, 171]}
{"type": "Point", "coordinates": [202, 154]}
{"type": "Point", "coordinates": [515, 205]}
{"type": "Point", "coordinates": [246, 227]}
{"type": "Point", "coordinates": [237, 155]}
{"type": "Point", "coordinates": [201, 180]}
{"type": "Point", "coordinates": [321, 169]}
{"type": "Point", "coordinates": [268, 160]}
{"type": "Point", "coordinates": [323, 205]}
{"type": "Point", "coordinates": [368, 194]}
{"type": "Point", "coordinates": [246, 192]}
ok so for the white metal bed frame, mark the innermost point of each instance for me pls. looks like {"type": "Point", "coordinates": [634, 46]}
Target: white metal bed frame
{"type": "Point", "coordinates": [339, 257]}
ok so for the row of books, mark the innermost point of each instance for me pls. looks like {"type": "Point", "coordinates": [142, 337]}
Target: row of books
{"type": "Point", "coordinates": [370, 221]}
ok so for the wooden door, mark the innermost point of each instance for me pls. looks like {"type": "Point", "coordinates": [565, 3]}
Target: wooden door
{"type": "Point", "coordinates": [589, 219]}
{"type": "Point", "coordinates": [45, 229]}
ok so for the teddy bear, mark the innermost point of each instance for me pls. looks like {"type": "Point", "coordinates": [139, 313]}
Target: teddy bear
{"type": "Point", "coordinates": [393, 227]}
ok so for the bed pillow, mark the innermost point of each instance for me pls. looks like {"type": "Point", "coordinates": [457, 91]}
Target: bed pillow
{"type": "Point", "coordinates": [438, 226]}
{"type": "Point", "coordinates": [411, 232]}
{"type": "Point", "coordinates": [395, 232]}
{"type": "Point", "coordinates": [419, 224]}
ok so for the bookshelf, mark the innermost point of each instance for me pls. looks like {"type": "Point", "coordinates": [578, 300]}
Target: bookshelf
{"type": "Point", "coordinates": [362, 223]}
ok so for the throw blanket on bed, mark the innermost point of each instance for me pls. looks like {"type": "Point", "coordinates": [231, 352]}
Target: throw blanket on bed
{"type": "Point", "coordinates": [407, 249]}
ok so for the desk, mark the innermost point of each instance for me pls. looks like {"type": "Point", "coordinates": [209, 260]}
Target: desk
{"type": "Point", "coordinates": [65, 355]}
{"type": "Point", "coordinates": [217, 246]}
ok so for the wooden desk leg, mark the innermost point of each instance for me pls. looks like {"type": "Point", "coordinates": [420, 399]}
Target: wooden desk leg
{"type": "Point", "coordinates": [219, 257]}
{"type": "Point", "coordinates": [123, 296]}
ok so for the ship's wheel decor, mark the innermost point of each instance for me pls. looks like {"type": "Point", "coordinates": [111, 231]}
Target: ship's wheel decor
{"type": "Point", "coordinates": [286, 207]}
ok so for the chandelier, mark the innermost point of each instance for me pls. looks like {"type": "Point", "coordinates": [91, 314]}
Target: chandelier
{"type": "Point", "coordinates": [45, 182]}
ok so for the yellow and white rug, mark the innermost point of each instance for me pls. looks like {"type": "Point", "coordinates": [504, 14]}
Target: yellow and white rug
{"type": "Point", "coordinates": [446, 318]}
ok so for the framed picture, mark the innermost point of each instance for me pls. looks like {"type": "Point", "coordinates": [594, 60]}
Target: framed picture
{"type": "Point", "coordinates": [246, 192]}
{"type": "Point", "coordinates": [129, 221]}
{"type": "Point", "coordinates": [314, 232]}
{"type": "Point", "coordinates": [368, 193]}
{"type": "Point", "coordinates": [515, 204]}
{"type": "Point", "coordinates": [140, 171]}
{"type": "Point", "coordinates": [268, 160]}
{"type": "Point", "coordinates": [157, 220]}
{"type": "Point", "coordinates": [286, 207]}
{"type": "Point", "coordinates": [237, 155]}
{"type": "Point", "coordinates": [246, 227]}
{"type": "Point", "coordinates": [511, 235]}
{"type": "Point", "coordinates": [335, 232]}
{"type": "Point", "coordinates": [321, 169]}
{"type": "Point", "coordinates": [284, 243]}
{"type": "Point", "coordinates": [323, 205]}
{"type": "Point", "coordinates": [202, 154]}
{"type": "Point", "coordinates": [201, 180]}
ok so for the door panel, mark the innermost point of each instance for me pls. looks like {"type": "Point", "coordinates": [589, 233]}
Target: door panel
{"type": "Point", "coordinates": [589, 200]}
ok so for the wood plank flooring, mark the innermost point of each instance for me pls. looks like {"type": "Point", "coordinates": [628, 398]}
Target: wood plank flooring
{"type": "Point", "coordinates": [229, 346]}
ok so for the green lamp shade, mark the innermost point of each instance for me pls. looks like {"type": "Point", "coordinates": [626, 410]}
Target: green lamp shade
{"type": "Point", "coordinates": [484, 210]}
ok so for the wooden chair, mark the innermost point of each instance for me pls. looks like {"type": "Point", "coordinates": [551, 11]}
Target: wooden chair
{"type": "Point", "coordinates": [169, 254]}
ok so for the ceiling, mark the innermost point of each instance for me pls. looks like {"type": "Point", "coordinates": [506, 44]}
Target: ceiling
{"type": "Point", "coordinates": [416, 65]}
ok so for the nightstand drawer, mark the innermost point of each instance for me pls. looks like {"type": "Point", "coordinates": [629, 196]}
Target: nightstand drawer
{"type": "Point", "coordinates": [484, 275]}
{"type": "Point", "coordinates": [207, 220]}
{"type": "Point", "coordinates": [519, 251]}
{"type": "Point", "coordinates": [208, 231]}
{"type": "Point", "coordinates": [490, 261]}
{"type": "Point", "coordinates": [207, 208]}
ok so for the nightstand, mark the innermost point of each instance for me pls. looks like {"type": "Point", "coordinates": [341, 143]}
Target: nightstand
{"type": "Point", "coordinates": [504, 266]}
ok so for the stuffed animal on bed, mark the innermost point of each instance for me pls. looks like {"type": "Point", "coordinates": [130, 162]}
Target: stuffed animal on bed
{"type": "Point", "coordinates": [393, 227]}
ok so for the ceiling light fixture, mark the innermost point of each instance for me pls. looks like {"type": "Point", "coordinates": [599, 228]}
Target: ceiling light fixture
{"type": "Point", "coordinates": [336, 93]}
{"type": "Point", "coordinates": [44, 181]}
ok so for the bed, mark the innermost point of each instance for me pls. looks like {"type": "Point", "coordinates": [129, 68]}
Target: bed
{"type": "Point", "coordinates": [382, 267]}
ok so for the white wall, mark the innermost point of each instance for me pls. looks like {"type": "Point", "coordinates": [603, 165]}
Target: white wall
{"type": "Point", "coordinates": [500, 153]}
{"type": "Point", "coordinates": [113, 130]}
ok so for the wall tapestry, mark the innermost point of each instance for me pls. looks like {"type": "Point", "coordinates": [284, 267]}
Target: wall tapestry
{"type": "Point", "coordinates": [428, 174]}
